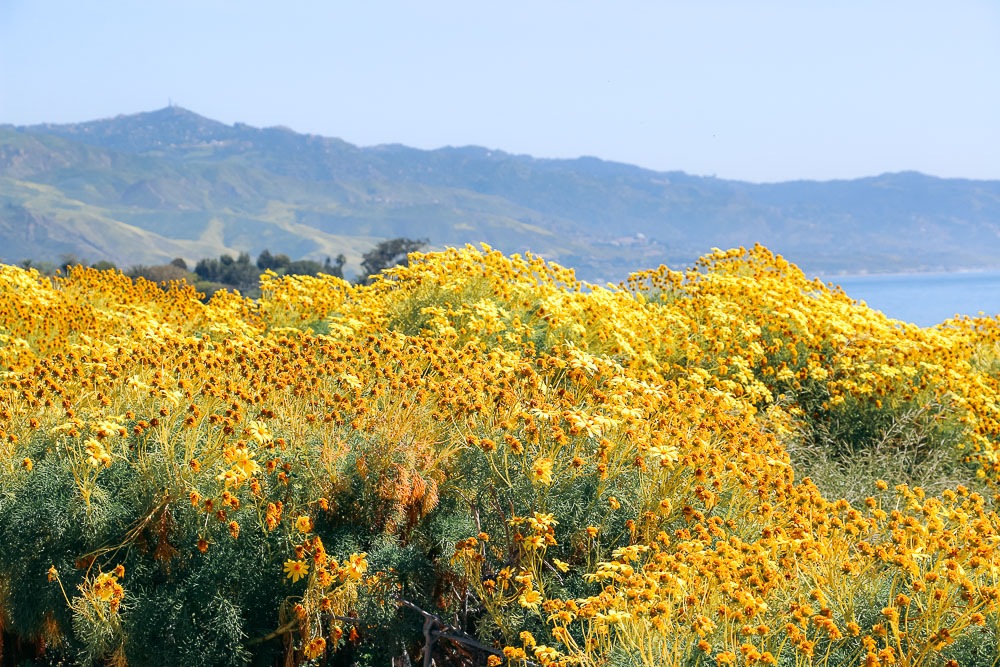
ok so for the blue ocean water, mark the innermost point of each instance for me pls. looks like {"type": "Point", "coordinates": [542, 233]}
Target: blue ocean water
{"type": "Point", "coordinates": [925, 299]}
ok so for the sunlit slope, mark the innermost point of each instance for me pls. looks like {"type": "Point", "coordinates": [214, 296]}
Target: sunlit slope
{"type": "Point", "coordinates": [485, 447]}
{"type": "Point", "coordinates": [172, 171]}
{"type": "Point", "coordinates": [60, 196]}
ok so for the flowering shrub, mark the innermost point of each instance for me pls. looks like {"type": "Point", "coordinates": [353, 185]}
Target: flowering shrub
{"type": "Point", "coordinates": [481, 460]}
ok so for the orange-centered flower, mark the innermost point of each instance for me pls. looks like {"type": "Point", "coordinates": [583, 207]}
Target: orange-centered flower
{"type": "Point", "coordinates": [296, 569]}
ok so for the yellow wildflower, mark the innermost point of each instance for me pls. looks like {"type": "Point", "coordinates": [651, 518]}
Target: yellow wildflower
{"type": "Point", "coordinates": [541, 471]}
{"type": "Point", "coordinates": [296, 569]}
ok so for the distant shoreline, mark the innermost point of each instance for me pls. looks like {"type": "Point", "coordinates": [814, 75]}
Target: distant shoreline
{"type": "Point", "coordinates": [900, 274]}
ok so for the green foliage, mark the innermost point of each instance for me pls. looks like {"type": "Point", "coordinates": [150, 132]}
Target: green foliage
{"type": "Point", "coordinates": [273, 262]}
{"type": "Point", "coordinates": [387, 254]}
{"type": "Point", "coordinates": [449, 499]}
{"type": "Point", "coordinates": [188, 181]}
{"type": "Point", "coordinates": [239, 272]}
{"type": "Point", "coordinates": [182, 606]}
{"type": "Point", "coordinates": [846, 449]}
{"type": "Point", "coordinates": [160, 274]}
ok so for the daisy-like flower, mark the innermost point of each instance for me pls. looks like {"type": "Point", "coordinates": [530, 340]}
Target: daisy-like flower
{"type": "Point", "coordinates": [96, 455]}
{"type": "Point", "coordinates": [667, 454]}
{"type": "Point", "coordinates": [530, 599]}
{"type": "Point", "coordinates": [357, 565]}
{"type": "Point", "coordinates": [296, 569]}
{"type": "Point", "coordinates": [315, 648]}
{"type": "Point", "coordinates": [257, 431]}
{"type": "Point", "coordinates": [541, 471]}
{"type": "Point", "coordinates": [244, 463]}
{"type": "Point", "coordinates": [534, 541]}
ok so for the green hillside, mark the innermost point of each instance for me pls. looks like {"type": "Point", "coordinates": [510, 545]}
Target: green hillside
{"type": "Point", "coordinates": [147, 187]}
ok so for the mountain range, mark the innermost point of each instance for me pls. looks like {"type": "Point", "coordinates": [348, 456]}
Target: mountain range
{"type": "Point", "coordinates": [145, 188]}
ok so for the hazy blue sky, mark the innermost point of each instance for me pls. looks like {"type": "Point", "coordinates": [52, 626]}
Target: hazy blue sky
{"type": "Point", "coordinates": [751, 90]}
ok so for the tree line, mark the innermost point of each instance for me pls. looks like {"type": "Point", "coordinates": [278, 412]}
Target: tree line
{"type": "Point", "coordinates": [243, 273]}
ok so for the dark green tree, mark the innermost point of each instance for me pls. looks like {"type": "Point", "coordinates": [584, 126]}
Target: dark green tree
{"type": "Point", "coordinates": [160, 273]}
{"type": "Point", "coordinates": [242, 272]}
{"type": "Point", "coordinates": [237, 272]}
{"type": "Point", "coordinates": [303, 267]}
{"type": "Point", "coordinates": [335, 268]}
{"type": "Point", "coordinates": [68, 259]}
{"type": "Point", "coordinates": [208, 269]}
{"type": "Point", "coordinates": [387, 254]}
{"type": "Point", "coordinates": [277, 262]}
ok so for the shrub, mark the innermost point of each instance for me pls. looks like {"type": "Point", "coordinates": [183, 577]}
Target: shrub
{"type": "Point", "coordinates": [479, 458]}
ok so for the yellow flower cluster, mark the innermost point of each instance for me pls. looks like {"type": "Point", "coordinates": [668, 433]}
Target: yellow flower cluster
{"type": "Point", "coordinates": [98, 604]}
{"type": "Point", "coordinates": [664, 403]}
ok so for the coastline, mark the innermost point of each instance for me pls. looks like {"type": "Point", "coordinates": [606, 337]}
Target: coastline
{"type": "Point", "coordinates": [925, 298]}
{"type": "Point", "coordinates": [907, 274]}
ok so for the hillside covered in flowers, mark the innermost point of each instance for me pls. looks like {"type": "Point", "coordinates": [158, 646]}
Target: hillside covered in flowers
{"type": "Point", "coordinates": [480, 460]}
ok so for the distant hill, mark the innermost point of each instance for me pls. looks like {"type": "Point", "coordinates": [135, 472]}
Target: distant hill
{"type": "Point", "coordinates": [147, 187]}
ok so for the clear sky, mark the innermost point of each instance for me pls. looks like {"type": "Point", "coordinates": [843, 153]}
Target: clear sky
{"type": "Point", "coordinates": [761, 91]}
